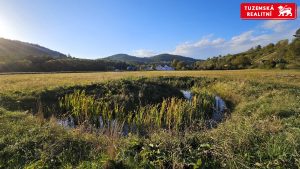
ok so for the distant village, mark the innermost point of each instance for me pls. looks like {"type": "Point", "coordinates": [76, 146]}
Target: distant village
{"type": "Point", "coordinates": [149, 68]}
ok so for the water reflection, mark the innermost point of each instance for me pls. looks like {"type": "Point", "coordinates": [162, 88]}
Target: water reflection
{"type": "Point", "coordinates": [187, 94]}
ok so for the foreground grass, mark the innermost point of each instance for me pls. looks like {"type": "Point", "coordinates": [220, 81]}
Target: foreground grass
{"type": "Point", "coordinates": [263, 130]}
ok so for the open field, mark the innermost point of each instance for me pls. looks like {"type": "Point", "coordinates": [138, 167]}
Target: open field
{"type": "Point", "coordinates": [31, 82]}
{"type": "Point", "coordinates": [260, 130]}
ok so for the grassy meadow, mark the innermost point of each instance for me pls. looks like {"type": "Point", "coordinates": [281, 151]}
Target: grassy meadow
{"type": "Point", "coordinates": [31, 82]}
{"type": "Point", "coordinates": [261, 128]}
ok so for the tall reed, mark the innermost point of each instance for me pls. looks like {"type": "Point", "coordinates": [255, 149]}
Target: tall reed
{"type": "Point", "coordinates": [86, 108]}
{"type": "Point", "coordinates": [172, 113]}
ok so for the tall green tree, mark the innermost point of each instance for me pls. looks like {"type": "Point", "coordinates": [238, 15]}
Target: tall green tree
{"type": "Point", "coordinates": [174, 63]}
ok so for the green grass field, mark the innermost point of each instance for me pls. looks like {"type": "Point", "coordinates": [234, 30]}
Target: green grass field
{"type": "Point", "coordinates": [262, 129]}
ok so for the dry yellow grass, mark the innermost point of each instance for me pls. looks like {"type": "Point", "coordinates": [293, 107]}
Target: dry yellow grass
{"type": "Point", "coordinates": [32, 82]}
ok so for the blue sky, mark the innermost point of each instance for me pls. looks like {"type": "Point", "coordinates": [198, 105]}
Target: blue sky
{"type": "Point", "coordinates": [99, 28]}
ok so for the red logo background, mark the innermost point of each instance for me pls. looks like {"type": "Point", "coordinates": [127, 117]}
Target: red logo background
{"type": "Point", "coordinates": [281, 11]}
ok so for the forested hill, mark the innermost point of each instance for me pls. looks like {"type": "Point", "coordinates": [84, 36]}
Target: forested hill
{"type": "Point", "coordinates": [169, 58]}
{"type": "Point", "coordinates": [126, 58]}
{"type": "Point", "coordinates": [159, 59]}
{"type": "Point", "coordinates": [283, 54]}
{"type": "Point", "coordinates": [17, 56]}
{"type": "Point", "coordinates": [16, 50]}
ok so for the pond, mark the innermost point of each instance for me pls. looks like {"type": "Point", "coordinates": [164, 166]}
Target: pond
{"type": "Point", "coordinates": [217, 115]}
{"type": "Point", "coordinates": [219, 108]}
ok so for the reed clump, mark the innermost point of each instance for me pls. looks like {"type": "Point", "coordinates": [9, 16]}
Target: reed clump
{"type": "Point", "coordinates": [172, 113]}
{"type": "Point", "coordinates": [86, 108]}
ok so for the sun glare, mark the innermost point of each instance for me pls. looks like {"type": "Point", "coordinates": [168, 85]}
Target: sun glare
{"type": "Point", "coordinates": [6, 31]}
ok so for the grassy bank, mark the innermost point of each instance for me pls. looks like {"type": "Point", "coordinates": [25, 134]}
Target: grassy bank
{"type": "Point", "coordinates": [262, 131]}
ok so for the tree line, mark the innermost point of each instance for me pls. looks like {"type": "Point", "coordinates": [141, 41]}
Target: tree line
{"type": "Point", "coordinates": [280, 55]}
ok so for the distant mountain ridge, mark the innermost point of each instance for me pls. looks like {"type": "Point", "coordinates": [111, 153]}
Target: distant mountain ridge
{"type": "Point", "coordinates": [126, 58]}
{"type": "Point", "coordinates": [20, 56]}
{"type": "Point", "coordinates": [16, 50]}
{"type": "Point", "coordinates": [161, 58]}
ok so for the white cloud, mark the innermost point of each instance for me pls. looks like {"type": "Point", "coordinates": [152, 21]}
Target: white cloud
{"type": "Point", "coordinates": [143, 53]}
{"type": "Point", "coordinates": [242, 38]}
{"type": "Point", "coordinates": [201, 46]}
{"type": "Point", "coordinates": [218, 41]}
{"type": "Point", "coordinates": [267, 32]}
{"type": "Point", "coordinates": [275, 25]}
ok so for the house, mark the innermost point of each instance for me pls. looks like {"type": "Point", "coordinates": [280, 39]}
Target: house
{"type": "Point", "coordinates": [131, 68]}
{"type": "Point", "coordinates": [149, 68]}
{"type": "Point", "coordinates": [159, 67]}
{"type": "Point", "coordinates": [164, 68]}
